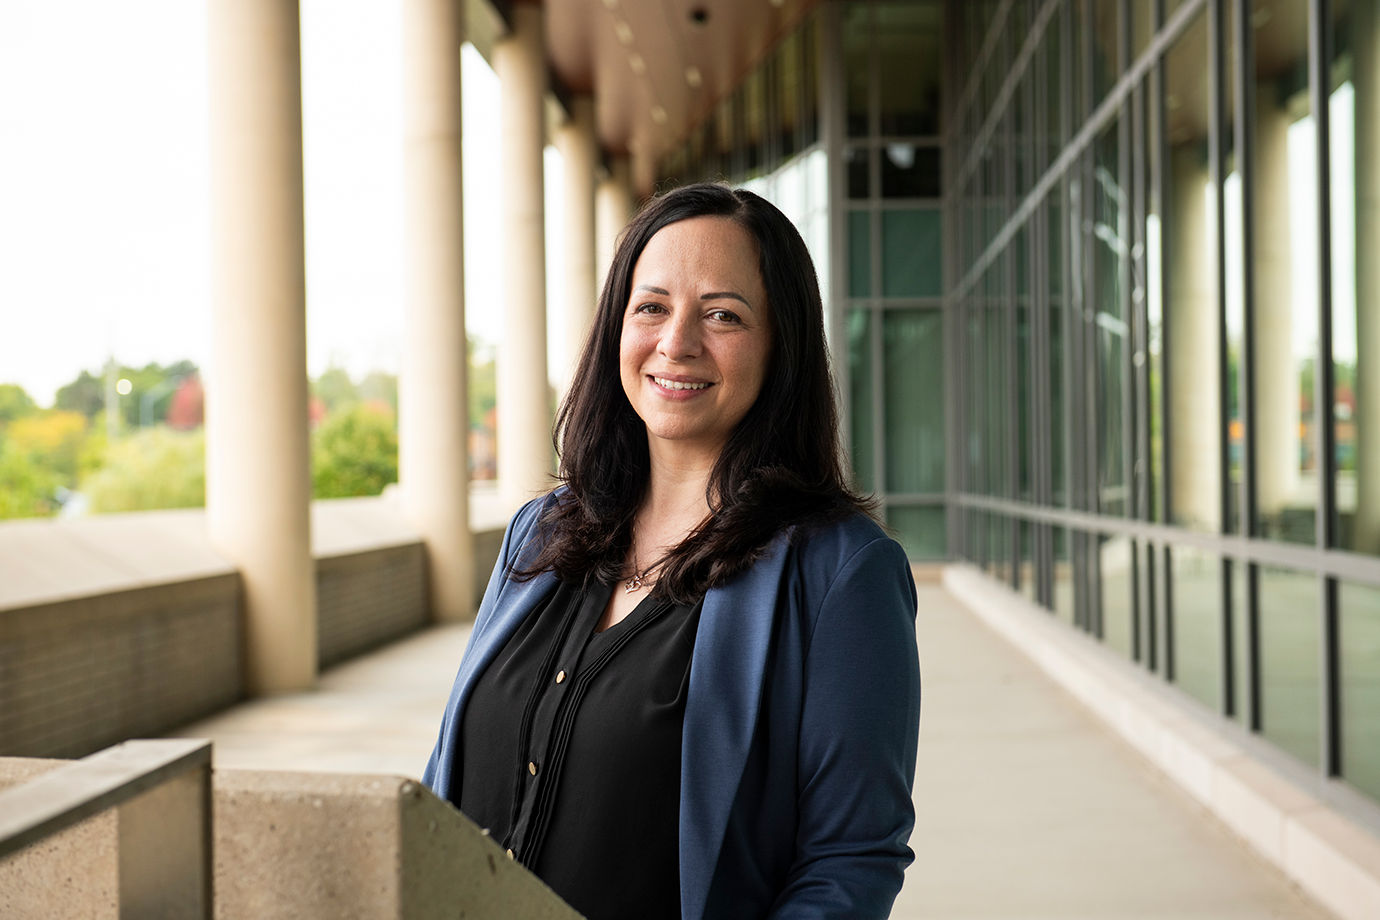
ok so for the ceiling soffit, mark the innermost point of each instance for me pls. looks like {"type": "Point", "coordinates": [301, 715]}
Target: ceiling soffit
{"type": "Point", "coordinates": [641, 60]}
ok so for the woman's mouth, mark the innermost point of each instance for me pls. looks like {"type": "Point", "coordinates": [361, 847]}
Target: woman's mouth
{"type": "Point", "coordinates": [677, 384]}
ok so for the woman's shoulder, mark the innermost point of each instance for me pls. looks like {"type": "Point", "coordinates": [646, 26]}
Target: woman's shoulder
{"type": "Point", "coordinates": [832, 545]}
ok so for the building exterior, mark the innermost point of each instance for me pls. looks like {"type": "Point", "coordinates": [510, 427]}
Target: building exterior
{"type": "Point", "coordinates": [1100, 277]}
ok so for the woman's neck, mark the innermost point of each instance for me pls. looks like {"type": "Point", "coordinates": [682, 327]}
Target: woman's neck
{"type": "Point", "coordinates": [676, 501]}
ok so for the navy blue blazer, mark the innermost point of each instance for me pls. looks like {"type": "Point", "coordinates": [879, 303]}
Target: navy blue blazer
{"type": "Point", "coordinates": [801, 723]}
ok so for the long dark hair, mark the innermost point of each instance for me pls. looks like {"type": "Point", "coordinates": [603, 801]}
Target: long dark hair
{"type": "Point", "coordinates": [781, 466]}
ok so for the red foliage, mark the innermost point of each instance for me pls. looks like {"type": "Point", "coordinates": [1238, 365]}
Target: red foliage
{"type": "Point", "coordinates": [187, 409]}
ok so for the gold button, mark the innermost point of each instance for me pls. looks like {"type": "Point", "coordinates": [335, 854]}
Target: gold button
{"type": "Point", "coordinates": [560, 677]}
{"type": "Point", "coordinates": [510, 855]}
{"type": "Point", "coordinates": [532, 768]}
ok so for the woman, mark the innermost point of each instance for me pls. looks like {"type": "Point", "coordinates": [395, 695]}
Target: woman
{"type": "Point", "coordinates": [692, 688]}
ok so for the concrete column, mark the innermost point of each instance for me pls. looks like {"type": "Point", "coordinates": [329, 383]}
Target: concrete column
{"type": "Point", "coordinates": [258, 479]}
{"type": "Point", "coordinates": [579, 152]}
{"type": "Point", "coordinates": [1276, 370]}
{"type": "Point", "coordinates": [1195, 435]}
{"type": "Point", "coordinates": [524, 398]}
{"type": "Point", "coordinates": [613, 210]}
{"type": "Point", "coordinates": [1365, 77]}
{"type": "Point", "coordinates": [433, 412]}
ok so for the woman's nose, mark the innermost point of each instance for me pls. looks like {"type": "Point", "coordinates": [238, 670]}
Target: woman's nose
{"type": "Point", "coordinates": [681, 337]}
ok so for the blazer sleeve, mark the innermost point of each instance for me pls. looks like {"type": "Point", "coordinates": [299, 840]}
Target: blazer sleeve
{"type": "Point", "coordinates": [860, 727]}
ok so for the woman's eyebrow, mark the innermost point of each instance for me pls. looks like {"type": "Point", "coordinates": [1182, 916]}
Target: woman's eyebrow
{"type": "Point", "coordinates": [654, 290]}
{"type": "Point", "coordinates": [720, 295]}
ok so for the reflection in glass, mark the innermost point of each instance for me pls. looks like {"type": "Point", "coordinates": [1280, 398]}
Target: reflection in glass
{"type": "Point", "coordinates": [859, 161]}
{"type": "Point", "coordinates": [1193, 386]}
{"type": "Point", "coordinates": [860, 398]}
{"type": "Point", "coordinates": [1110, 247]}
{"type": "Point", "coordinates": [1063, 576]}
{"type": "Point", "coordinates": [910, 59]}
{"type": "Point", "coordinates": [909, 171]}
{"type": "Point", "coordinates": [913, 350]}
{"type": "Point", "coordinates": [1197, 623]}
{"type": "Point", "coordinates": [1355, 208]}
{"type": "Point", "coordinates": [1289, 701]}
{"type": "Point", "coordinates": [1286, 278]}
{"type": "Point", "coordinates": [920, 529]}
{"type": "Point", "coordinates": [857, 66]}
{"type": "Point", "coordinates": [912, 263]}
{"type": "Point", "coordinates": [1115, 560]}
{"type": "Point", "coordinates": [1360, 685]}
{"type": "Point", "coordinates": [859, 254]}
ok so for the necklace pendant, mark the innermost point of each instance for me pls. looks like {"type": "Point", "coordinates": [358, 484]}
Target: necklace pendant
{"type": "Point", "coordinates": [632, 584]}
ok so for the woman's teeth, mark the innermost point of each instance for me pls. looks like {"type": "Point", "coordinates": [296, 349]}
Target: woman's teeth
{"type": "Point", "coordinates": [677, 385]}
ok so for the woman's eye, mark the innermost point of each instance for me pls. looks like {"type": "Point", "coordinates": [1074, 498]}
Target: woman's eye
{"type": "Point", "coordinates": [725, 316]}
{"type": "Point", "coordinates": [648, 308]}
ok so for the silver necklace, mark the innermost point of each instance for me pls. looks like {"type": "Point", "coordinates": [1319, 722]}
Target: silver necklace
{"type": "Point", "coordinates": [635, 583]}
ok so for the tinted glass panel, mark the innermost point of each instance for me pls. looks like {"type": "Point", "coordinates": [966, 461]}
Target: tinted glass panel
{"type": "Point", "coordinates": [911, 253]}
{"type": "Point", "coordinates": [860, 392]}
{"type": "Point", "coordinates": [910, 59]}
{"type": "Point", "coordinates": [1289, 661]}
{"type": "Point", "coordinates": [1197, 623]}
{"type": "Point", "coordinates": [913, 345]}
{"type": "Point", "coordinates": [1360, 680]}
{"type": "Point", "coordinates": [908, 171]}
{"type": "Point", "coordinates": [921, 530]}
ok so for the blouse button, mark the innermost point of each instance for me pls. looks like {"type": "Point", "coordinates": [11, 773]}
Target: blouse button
{"type": "Point", "coordinates": [560, 677]}
{"type": "Point", "coordinates": [532, 768]}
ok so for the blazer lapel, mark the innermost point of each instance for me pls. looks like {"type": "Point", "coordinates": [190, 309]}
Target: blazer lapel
{"type": "Point", "coordinates": [726, 675]}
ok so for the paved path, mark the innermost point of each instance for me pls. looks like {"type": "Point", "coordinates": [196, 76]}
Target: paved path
{"type": "Point", "coordinates": [1028, 808]}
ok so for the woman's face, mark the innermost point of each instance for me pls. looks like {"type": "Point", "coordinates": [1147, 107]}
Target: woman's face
{"type": "Point", "coordinates": [696, 334]}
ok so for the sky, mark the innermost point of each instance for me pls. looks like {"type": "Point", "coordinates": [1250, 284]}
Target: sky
{"type": "Point", "coordinates": [104, 188]}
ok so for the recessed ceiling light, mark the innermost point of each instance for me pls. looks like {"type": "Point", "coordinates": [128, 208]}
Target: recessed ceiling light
{"type": "Point", "coordinates": [694, 77]}
{"type": "Point", "coordinates": [623, 31]}
{"type": "Point", "coordinates": [638, 65]}
{"type": "Point", "coordinates": [658, 115]}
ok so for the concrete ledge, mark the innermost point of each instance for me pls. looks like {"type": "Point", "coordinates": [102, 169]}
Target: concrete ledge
{"type": "Point", "coordinates": [305, 846]}
{"type": "Point", "coordinates": [1331, 858]}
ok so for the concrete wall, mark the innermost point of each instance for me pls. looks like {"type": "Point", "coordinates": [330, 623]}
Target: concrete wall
{"type": "Point", "coordinates": [130, 625]}
{"type": "Point", "coordinates": [296, 845]}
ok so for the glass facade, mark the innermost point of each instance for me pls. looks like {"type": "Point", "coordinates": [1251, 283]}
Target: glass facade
{"type": "Point", "coordinates": [1101, 313]}
{"type": "Point", "coordinates": [1159, 212]}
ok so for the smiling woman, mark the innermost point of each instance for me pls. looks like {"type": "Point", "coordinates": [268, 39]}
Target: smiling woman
{"type": "Point", "coordinates": [693, 688]}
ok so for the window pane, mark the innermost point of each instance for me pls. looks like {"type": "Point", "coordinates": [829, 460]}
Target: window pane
{"type": "Point", "coordinates": [1289, 661]}
{"type": "Point", "coordinates": [1113, 392]}
{"type": "Point", "coordinates": [920, 530]}
{"type": "Point", "coordinates": [1286, 278]}
{"type": "Point", "coordinates": [857, 65]}
{"type": "Point", "coordinates": [913, 344]}
{"type": "Point", "coordinates": [1360, 680]}
{"type": "Point", "coordinates": [859, 254]}
{"type": "Point", "coordinates": [1197, 623]}
{"type": "Point", "coordinates": [787, 66]}
{"type": "Point", "coordinates": [910, 59]}
{"type": "Point", "coordinates": [860, 390]}
{"type": "Point", "coordinates": [909, 171]}
{"type": "Point", "coordinates": [1193, 380]}
{"type": "Point", "coordinates": [1116, 559]}
{"type": "Point", "coordinates": [1355, 200]}
{"type": "Point", "coordinates": [859, 161]}
{"type": "Point", "coordinates": [911, 253]}
{"type": "Point", "coordinates": [1063, 576]}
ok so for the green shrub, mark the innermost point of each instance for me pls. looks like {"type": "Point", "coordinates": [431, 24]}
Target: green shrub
{"type": "Point", "coordinates": [154, 468]}
{"type": "Point", "coordinates": [27, 489]}
{"type": "Point", "coordinates": [354, 452]}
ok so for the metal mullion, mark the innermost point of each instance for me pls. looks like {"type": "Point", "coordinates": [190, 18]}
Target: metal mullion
{"type": "Point", "coordinates": [994, 32]}
{"type": "Point", "coordinates": [1041, 562]}
{"type": "Point", "coordinates": [1011, 307]}
{"type": "Point", "coordinates": [1329, 678]}
{"type": "Point", "coordinates": [1107, 109]}
{"type": "Point", "coordinates": [1244, 43]}
{"type": "Point", "coordinates": [1217, 177]}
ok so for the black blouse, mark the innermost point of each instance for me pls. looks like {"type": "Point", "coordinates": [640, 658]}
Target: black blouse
{"type": "Point", "coordinates": [571, 742]}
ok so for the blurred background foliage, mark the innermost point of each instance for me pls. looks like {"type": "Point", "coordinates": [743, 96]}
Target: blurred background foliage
{"type": "Point", "coordinates": [63, 459]}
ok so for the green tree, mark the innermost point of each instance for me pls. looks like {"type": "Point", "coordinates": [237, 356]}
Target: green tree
{"type": "Point", "coordinates": [14, 403]}
{"type": "Point", "coordinates": [381, 388]}
{"type": "Point", "coordinates": [354, 452]}
{"type": "Point", "coordinates": [86, 395]}
{"type": "Point", "coordinates": [335, 389]}
{"type": "Point", "coordinates": [483, 381]}
{"type": "Point", "coordinates": [26, 488]}
{"type": "Point", "coordinates": [153, 468]}
{"type": "Point", "coordinates": [52, 440]}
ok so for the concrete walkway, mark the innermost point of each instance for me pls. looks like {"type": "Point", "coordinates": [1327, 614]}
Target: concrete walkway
{"type": "Point", "coordinates": [1027, 807]}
